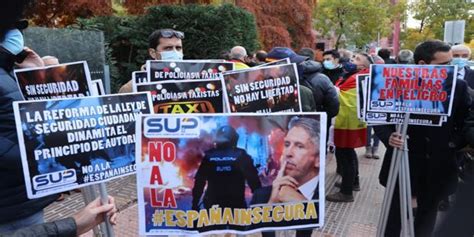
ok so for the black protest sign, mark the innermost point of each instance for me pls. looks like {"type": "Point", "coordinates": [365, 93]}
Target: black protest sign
{"type": "Point", "coordinates": [180, 70]}
{"type": "Point", "coordinates": [71, 143]}
{"type": "Point", "coordinates": [381, 118]}
{"type": "Point", "coordinates": [140, 77]}
{"type": "Point", "coordinates": [263, 90]}
{"type": "Point", "coordinates": [417, 89]}
{"type": "Point", "coordinates": [186, 96]}
{"type": "Point", "coordinates": [57, 81]}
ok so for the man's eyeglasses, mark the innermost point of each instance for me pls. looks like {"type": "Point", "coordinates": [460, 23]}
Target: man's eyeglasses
{"type": "Point", "coordinates": [171, 34]}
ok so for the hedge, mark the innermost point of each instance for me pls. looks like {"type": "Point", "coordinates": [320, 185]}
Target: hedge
{"type": "Point", "coordinates": [208, 29]}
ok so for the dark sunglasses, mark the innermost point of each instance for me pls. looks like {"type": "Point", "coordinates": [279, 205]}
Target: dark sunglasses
{"type": "Point", "coordinates": [369, 57]}
{"type": "Point", "coordinates": [171, 34]}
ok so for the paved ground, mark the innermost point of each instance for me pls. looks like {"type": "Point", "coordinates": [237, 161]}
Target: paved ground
{"type": "Point", "coordinates": [347, 219]}
{"type": "Point", "coordinates": [357, 219]}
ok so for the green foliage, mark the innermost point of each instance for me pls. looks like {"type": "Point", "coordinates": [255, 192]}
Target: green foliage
{"type": "Point", "coordinates": [433, 14]}
{"type": "Point", "coordinates": [412, 37]}
{"type": "Point", "coordinates": [208, 29]}
{"type": "Point", "coordinates": [358, 21]}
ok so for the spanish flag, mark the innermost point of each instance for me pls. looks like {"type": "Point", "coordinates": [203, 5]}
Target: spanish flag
{"type": "Point", "coordinates": [349, 131]}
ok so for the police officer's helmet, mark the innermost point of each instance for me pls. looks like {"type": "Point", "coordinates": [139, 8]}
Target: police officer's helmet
{"type": "Point", "coordinates": [226, 135]}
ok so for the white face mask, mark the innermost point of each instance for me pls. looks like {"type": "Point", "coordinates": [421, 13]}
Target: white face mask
{"type": "Point", "coordinates": [171, 55]}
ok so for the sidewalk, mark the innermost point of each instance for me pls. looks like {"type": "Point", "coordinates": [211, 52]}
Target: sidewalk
{"type": "Point", "coordinates": [357, 219]}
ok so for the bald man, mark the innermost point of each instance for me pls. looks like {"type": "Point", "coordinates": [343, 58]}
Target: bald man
{"type": "Point", "coordinates": [237, 55]}
{"type": "Point", "coordinates": [461, 56]}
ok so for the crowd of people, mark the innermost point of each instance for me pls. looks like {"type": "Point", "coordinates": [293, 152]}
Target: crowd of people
{"type": "Point", "coordinates": [440, 157]}
{"type": "Point", "coordinates": [329, 85]}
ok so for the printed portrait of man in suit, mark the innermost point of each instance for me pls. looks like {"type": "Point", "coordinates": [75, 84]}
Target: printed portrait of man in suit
{"type": "Point", "coordinates": [298, 176]}
{"type": "Point", "coordinates": [297, 179]}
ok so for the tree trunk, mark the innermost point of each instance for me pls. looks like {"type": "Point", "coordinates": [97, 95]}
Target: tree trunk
{"type": "Point", "coordinates": [341, 24]}
{"type": "Point", "coordinates": [337, 41]}
{"type": "Point", "coordinates": [422, 24]}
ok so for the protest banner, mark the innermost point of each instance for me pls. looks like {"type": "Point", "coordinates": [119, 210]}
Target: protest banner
{"type": "Point", "coordinates": [263, 90]}
{"type": "Point", "coordinates": [53, 82]}
{"type": "Point", "coordinates": [381, 118]}
{"type": "Point", "coordinates": [99, 87]}
{"type": "Point", "coordinates": [140, 77]}
{"type": "Point", "coordinates": [70, 143]}
{"type": "Point", "coordinates": [185, 96]}
{"type": "Point", "coordinates": [361, 82]}
{"type": "Point", "coordinates": [415, 89]}
{"type": "Point", "coordinates": [179, 155]}
{"type": "Point", "coordinates": [159, 70]}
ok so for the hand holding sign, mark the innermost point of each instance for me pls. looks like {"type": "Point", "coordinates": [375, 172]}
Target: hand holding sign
{"type": "Point", "coordinates": [32, 59]}
{"type": "Point", "coordinates": [93, 214]}
{"type": "Point", "coordinates": [396, 140]}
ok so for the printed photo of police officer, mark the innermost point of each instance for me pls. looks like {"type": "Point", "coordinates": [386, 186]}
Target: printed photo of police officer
{"type": "Point", "coordinates": [225, 169]}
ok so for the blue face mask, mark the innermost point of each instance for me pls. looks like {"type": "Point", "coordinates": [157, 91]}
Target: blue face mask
{"type": "Point", "coordinates": [460, 62]}
{"type": "Point", "coordinates": [328, 64]}
{"type": "Point", "coordinates": [350, 67]}
{"type": "Point", "coordinates": [171, 55]}
{"type": "Point", "coordinates": [13, 42]}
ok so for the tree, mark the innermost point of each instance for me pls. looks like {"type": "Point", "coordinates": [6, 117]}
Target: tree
{"type": "Point", "coordinates": [56, 13]}
{"type": "Point", "coordinates": [471, 45]}
{"type": "Point", "coordinates": [209, 30]}
{"type": "Point", "coordinates": [359, 21]}
{"type": "Point", "coordinates": [433, 14]}
{"type": "Point", "coordinates": [412, 37]}
{"type": "Point", "coordinates": [136, 7]}
{"type": "Point", "coordinates": [282, 23]}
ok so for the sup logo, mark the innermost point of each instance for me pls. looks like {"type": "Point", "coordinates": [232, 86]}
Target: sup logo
{"type": "Point", "coordinates": [172, 127]}
{"type": "Point", "coordinates": [54, 179]}
{"type": "Point", "coordinates": [376, 116]}
{"type": "Point", "coordinates": [382, 104]}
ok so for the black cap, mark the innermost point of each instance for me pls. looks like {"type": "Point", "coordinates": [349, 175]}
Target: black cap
{"type": "Point", "coordinates": [21, 24]}
{"type": "Point", "coordinates": [283, 52]}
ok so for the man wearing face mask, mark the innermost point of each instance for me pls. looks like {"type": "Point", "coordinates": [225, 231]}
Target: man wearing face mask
{"type": "Point", "coordinates": [431, 151]}
{"type": "Point", "coordinates": [163, 44]}
{"type": "Point", "coordinates": [16, 210]}
{"type": "Point", "coordinates": [349, 131]}
{"type": "Point", "coordinates": [461, 56]}
{"type": "Point", "coordinates": [310, 76]}
{"type": "Point", "coordinates": [331, 65]}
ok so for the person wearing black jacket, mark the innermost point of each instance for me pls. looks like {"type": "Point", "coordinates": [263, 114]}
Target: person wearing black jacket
{"type": "Point", "coordinates": [461, 56]}
{"type": "Point", "coordinates": [225, 169]}
{"type": "Point", "coordinates": [458, 220]}
{"type": "Point", "coordinates": [331, 65]}
{"type": "Point", "coordinates": [83, 221]}
{"type": "Point", "coordinates": [16, 210]}
{"type": "Point", "coordinates": [431, 151]}
{"type": "Point", "coordinates": [309, 72]}
{"type": "Point", "coordinates": [385, 55]}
